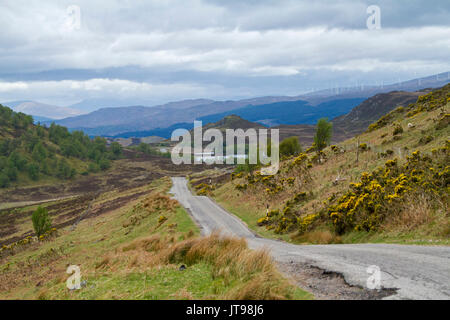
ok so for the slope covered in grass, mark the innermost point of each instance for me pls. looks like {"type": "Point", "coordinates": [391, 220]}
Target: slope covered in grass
{"type": "Point", "coordinates": [135, 252]}
{"type": "Point", "coordinates": [391, 183]}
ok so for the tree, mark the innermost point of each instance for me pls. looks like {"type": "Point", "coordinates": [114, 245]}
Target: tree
{"type": "Point", "coordinates": [4, 180]}
{"type": "Point", "coordinates": [17, 160]}
{"type": "Point", "coordinates": [323, 134]}
{"type": "Point", "coordinates": [65, 171]}
{"type": "Point", "coordinates": [104, 164]}
{"type": "Point", "coordinates": [116, 150]}
{"type": "Point", "coordinates": [33, 171]}
{"type": "Point", "coordinates": [39, 153]}
{"type": "Point", "coordinates": [41, 221]}
{"type": "Point", "coordinates": [11, 172]}
{"type": "Point", "coordinates": [290, 147]}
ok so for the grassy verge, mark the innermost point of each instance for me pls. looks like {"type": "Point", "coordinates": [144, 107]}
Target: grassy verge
{"type": "Point", "coordinates": [247, 211]}
{"type": "Point", "coordinates": [135, 252]}
{"type": "Point", "coordinates": [250, 212]}
{"type": "Point", "coordinates": [301, 194]}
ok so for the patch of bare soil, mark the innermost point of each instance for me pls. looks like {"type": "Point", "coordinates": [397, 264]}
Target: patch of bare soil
{"type": "Point", "coordinates": [215, 180]}
{"type": "Point", "coordinates": [327, 285]}
{"type": "Point", "coordinates": [134, 171]}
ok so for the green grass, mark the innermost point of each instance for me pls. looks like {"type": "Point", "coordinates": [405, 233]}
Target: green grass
{"type": "Point", "coordinates": [156, 284]}
{"type": "Point", "coordinates": [247, 212]}
{"type": "Point", "coordinates": [412, 237]}
{"type": "Point", "coordinates": [103, 239]}
{"type": "Point", "coordinates": [250, 205]}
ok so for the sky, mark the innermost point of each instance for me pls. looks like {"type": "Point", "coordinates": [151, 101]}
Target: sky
{"type": "Point", "coordinates": [150, 52]}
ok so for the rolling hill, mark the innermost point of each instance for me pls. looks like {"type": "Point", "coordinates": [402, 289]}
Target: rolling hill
{"type": "Point", "coordinates": [30, 152]}
{"type": "Point", "coordinates": [116, 121]}
{"type": "Point", "coordinates": [42, 110]}
{"type": "Point", "coordinates": [390, 184]}
{"type": "Point", "coordinates": [290, 112]}
{"type": "Point", "coordinates": [357, 120]}
{"type": "Point", "coordinates": [120, 121]}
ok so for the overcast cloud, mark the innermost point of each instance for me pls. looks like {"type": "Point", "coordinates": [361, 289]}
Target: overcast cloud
{"type": "Point", "coordinates": [166, 50]}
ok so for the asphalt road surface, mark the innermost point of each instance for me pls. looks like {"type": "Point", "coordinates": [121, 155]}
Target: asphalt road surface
{"type": "Point", "coordinates": [417, 272]}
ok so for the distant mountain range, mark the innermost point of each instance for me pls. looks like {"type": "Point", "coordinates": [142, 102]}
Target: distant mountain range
{"type": "Point", "coordinates": [357, 120]}
{"type": "Point", "coordinates": [289, 112]}
{"type": "Point", "coordinates": [346, 126]}
{"type": "Point", "coordinates": [121, 120]}
{"type": "Point", "coordinates": [91, 105]}
{"type": "Point", "coordinates": [160, 120]}
{"type": "Point", "coordinates": [42, 111]}
{"type": "Point", "coordinates": [434, 81]}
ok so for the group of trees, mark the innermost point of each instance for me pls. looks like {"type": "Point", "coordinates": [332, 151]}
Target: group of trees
{"type": "Point", "coordinates": [35, 151]}
{"type": "Point", "coordinates": [16, 120]}
{"type": "Point", "coordinates": [147, 149]}
{"type": "Point", "coordinates": [292, 147]}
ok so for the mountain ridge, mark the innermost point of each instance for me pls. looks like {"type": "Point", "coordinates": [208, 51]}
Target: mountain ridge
{"type": "Point", "coordinates": [163, 116]}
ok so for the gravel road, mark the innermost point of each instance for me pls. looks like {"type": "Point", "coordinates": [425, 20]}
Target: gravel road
{"type": "Point", "coordinates": [416, 272]}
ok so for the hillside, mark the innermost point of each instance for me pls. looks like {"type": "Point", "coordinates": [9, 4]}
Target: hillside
{"type": "Point", "coordinates": [278, 114]}
{"type": "Point", "coordinates": [115, 121]}
{"type": "Point", "coordinates": [390, 184]}
{"type": "Point", "coordinates": [128, 142]}
{"type": "Point", "coordinates": [91, 105]}
{"type": "Point", "coordinates": [120, 121]}
{"type": "Point", "coordinates": [30, 152]}
{"type": "Point", "coordinates": [344, 127]}
{"type": "Point", "coordinates": [42, 110]}
{"type": "Point", "coordinates": [136, 243]}
{"type": "Point", "coordinates": [233, 122]}
{"type": "Point", "coordinates": [290, 112]}
{"type": "Point", "coordinates": [370, 110]}
{"type": "Point", "coordinates": [357, 120]}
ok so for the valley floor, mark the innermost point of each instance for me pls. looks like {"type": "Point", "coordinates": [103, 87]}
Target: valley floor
{"type": "Point", "coordinates": [144, 247]}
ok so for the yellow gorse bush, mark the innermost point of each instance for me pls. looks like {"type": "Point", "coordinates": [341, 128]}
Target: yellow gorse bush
{"type": "Point", "coordinates": [367, 203]}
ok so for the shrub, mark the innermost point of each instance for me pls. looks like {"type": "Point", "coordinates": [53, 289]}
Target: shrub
{"type": "Point", "coordinates": [383, 192]}
{"type": "Point", "coordinates": [104, 164]}
{"type": "Point", "coordinates": [398, 129]}
{"type": "Point", "coordinates": [290, 147]}
{"type": "Point", "coordinates": [335, 149]}
{"type": "Point", "coordinates": [425, 140]}
{"type": "Point", "coordinates": [33, 171]}
{"type": "Point", "coordinates": [443, 122]}
{"type": "Point", "coordinates": [41, 221]}
{"type": "Point", "coordinates": [363, 147]}
{"type": "Point", "coordinates": [162, 219]}
{"type": "Point", "coordinates": [93, 167]}
{"type": "Point", "coordinates": [116, 150]}
{"type": "Point", "coordinates": [323, 134]}
{"type": "Point", "coordinates": [4, 180]}
{"type": "Point", "coordinates": [312, 148]}
{"type": "Point", "coordinates": [65, 171]}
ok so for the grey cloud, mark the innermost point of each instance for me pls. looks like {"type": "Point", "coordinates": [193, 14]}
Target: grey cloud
{"type": "Point", "coordinates": [215, 49]}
